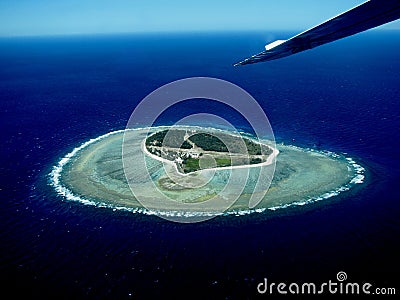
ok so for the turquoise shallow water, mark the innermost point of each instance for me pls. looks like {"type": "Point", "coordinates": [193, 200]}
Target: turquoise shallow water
{"type": "Point", "coordinates": [93, 174]}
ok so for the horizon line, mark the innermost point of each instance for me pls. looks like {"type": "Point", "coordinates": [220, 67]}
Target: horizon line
{"type": "Point", "coordinates": [72, 34]}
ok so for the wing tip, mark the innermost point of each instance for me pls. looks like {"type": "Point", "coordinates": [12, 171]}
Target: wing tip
{"type": "Point", "coordinates": [242, 63]}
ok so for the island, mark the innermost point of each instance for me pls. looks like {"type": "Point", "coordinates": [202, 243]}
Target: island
{"type": "Point", "coordinates": [193, 167]}
{"type": "Point", "coordinates": [192, 149]}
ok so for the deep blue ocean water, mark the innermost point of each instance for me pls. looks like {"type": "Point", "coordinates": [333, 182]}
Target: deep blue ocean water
{"type": "Point", "coordinates": [58, 92]}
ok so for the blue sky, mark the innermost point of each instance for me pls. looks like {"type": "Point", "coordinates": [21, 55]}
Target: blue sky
{"type": "Point", "coordinates": [50, 17]}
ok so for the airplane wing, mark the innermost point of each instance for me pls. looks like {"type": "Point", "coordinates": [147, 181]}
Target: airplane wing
{"type": "Point", "coordinates": [367, 15]}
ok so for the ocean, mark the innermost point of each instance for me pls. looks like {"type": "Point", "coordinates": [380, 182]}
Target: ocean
{"type": "Point", "coordinates": [58, 92]}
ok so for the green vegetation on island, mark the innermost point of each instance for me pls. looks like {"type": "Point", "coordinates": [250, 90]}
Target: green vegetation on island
{"type": "Point", "coordinates": [208, 142]}
{"type": "Point", "coordinates": [175, 139]}
{"type": "Point", "coordinates": [187, 148]}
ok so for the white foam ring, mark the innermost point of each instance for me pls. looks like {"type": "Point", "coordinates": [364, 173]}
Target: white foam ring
{"type": "Point", "coordinates": [70, 196]}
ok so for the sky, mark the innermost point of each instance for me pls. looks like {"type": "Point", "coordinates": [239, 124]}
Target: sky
{"type": "Point", "coordinates": [60, 17]}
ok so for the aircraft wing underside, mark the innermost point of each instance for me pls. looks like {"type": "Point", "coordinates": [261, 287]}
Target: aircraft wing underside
{"type": "Point", "coordinates": [368, 15]}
